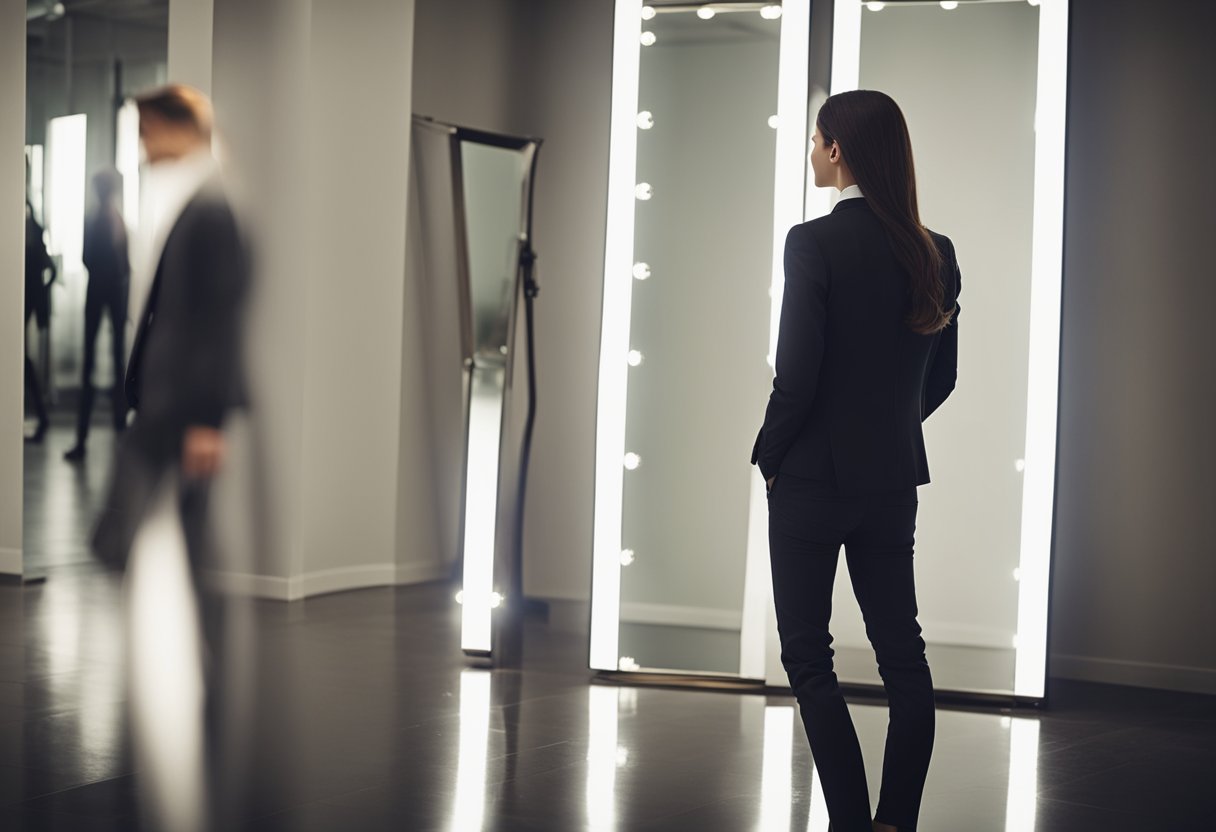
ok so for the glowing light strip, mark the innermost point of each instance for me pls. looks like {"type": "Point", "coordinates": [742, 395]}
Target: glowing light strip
{"type": "Point", "coordinates": [789, 180]}
{"type": "Point", "coordinates": [846, 47]}
{"type": "Point", "coordinates": [469, 805]}
{"type": "Point", "coordinates": [614, 338]}
{"type": "Point", "coordinates": [481, 509]}
{"type": "Point", "coordinates": [127, 161]}
{"type": "Point", "coordinates": [1042, 401]}
{"type": "Point", "coordinates": [1021, 805]}
{"type": "Point", "coordinates": [65, 189]}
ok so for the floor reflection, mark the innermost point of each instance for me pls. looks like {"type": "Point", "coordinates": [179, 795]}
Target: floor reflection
{"type": "Point", "coordinates": [1022, 803]}
{"type": "Point", "coordinates": [603, 756]}
{"type": "Point", "coordinates": [166, 674]}
{"type": "Point", "coordinates": [469, 805]}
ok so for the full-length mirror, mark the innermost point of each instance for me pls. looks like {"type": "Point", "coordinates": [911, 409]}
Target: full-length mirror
{"type": "Point", "coordinates": [687, 309]}
{"type": "Point", "coordinates": [970, 81]}
{"type": "Point", "coordinates": [700, 201]}
{"type": "Point", "coordinates": [476, 194]}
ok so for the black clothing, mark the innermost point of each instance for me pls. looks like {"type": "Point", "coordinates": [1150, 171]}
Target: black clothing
{"type": "Point", "coordinates": [37, 262]}
{"type": "Point", "coordinates": [105, 256]}
{"type": "Point", "coordinates": [853, 382]}
{"type": "Point", "coordinates": [808, 523]}
{"type": "Point", "coordinates": [842, 435]}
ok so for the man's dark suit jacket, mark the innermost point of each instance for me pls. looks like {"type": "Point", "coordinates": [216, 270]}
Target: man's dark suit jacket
{"type": "Point", "coordinates": [185, 368]}
{"type": "Point", "coordinates": [853, 382]}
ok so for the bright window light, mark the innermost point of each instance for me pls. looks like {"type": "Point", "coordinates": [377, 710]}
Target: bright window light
{"type": "Point", "coordinates": [614, 339]}
{"type": "Point", "coordinates": [65, 189]}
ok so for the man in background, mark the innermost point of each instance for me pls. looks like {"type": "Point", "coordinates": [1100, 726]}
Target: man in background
{"type": "Point", "coordinates": [105, 256]}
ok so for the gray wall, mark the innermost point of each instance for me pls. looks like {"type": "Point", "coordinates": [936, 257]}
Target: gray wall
{"type": "Point", "coordinates": [1135, 568]}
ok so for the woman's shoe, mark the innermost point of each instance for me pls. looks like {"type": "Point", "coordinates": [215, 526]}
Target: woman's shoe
{"type": "Point", "coordinates": [40, 433]}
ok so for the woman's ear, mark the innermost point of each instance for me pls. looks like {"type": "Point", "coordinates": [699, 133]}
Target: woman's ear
{"type": "Point", "coordinates": [834, 154]}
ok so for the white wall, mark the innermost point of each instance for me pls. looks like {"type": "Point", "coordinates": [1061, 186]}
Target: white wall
{"type": "Point", "coordinates": [12, 278]}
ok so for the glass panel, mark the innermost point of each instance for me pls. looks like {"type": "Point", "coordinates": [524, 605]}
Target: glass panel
{"type": "Point", "coordinates": [698, 381]}
{"type": "Point", "coordinates": [494, 180]}
{"type": "Point", "coordinates": [966, 81]}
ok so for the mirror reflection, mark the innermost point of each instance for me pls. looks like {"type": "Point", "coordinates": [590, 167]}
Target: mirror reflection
{"type": "Point", "coordinates": [706, 149]}
{"type": "Point", "coordinates": [970, 108]}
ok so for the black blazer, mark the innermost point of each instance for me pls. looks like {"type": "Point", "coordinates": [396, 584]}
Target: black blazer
{"type": "Point", "coordinates": [185, 367]}
{"type": "Point", "coordinates": [853, 382]}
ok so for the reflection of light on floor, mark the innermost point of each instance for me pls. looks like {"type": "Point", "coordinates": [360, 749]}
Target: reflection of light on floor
{"type": "Point", "coordinates": [603, 756]}
{"type": "Point", "coordinates": [166, 675]}
{"type": "Point", "coordinates": [1021, 805]}
{"type": "Point", "coordinates": [819, 820]}
{"type": "Point", "coordinates": [776, 776]}
{"type": "Point", "coordinates": [468, 811]}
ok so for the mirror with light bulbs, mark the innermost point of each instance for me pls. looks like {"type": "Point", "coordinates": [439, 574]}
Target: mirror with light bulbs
{"type": "Point", "coordinates": [700, 201]}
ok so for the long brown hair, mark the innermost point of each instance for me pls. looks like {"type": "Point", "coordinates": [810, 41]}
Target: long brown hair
{"type": "Point", "coordinates": [873, 137]}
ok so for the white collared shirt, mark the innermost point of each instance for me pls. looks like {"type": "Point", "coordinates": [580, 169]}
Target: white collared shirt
{"type": "Point", "coordinates": [851, 192]}
{"type": "Point", "coordinates": [167, 188]}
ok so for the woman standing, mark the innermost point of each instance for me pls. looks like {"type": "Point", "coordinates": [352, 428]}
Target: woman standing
{"type": "Point", "coordinates": [867, 350]}
{"type": "Point", "coordinates": [37, 306]}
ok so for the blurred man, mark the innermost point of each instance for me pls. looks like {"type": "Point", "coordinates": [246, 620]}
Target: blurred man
{"type": "Point", "coordinates": [185, 372]}
{"type": "Point", "coordinates": [105, 256]}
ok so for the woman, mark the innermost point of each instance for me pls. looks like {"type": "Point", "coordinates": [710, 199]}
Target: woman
{"type": "Point", "coordinates": [867, 350]}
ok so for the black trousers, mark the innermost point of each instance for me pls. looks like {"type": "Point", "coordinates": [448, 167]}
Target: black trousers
{"type": "Point", "coordinates": [808, 523]}
{"type": "Point", "coordinates": [112, 302]}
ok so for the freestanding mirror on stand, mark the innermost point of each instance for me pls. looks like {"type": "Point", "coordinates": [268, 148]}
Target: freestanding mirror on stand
{"type": "Point", "coordinates": [681, 587]}
{"type": "Point", "coordinates": [476, 200]}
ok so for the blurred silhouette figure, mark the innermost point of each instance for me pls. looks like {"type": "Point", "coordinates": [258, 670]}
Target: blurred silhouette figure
{"type": "Point", "coordinates": [105, 256]}
{"type": "Point", "coordinates": [37, 304]}
{"type": "Point", "coordinates": [184, 376]}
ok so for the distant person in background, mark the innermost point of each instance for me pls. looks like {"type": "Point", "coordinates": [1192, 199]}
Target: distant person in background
{"type": "Point", "coordinates": [37, 304]}
{"type": "Point", "coordinates": [105, 256]}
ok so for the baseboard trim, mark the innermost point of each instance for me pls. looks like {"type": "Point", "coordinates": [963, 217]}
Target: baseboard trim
{"type": "Point", "coordinates": [709, 618]}
{"type": "Point", "coordinates": [10, 561]}
{"type": "Point", "coordinates": [1136, 674]}
{"type": "Point", "coordinates": [325, 581]}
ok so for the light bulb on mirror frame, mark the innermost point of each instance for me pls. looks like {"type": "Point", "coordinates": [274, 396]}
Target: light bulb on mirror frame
{"type": "Point", "coordinates": [635, 358]}
{"type": "Point", "coordinates": [648, 38]}
{"type": "Point", "coordinates": [641, 271]}
{"type": "Point", "coordinates": [648, 12]}
{"type": "Point", "coordinates": [706, 13]}
{"type": "Point", "coordinates": [460, 597]}
{"type": "Point", "coordinates": [632, 461]}
{"type": "Point", "coordinates": [772, 122]}
{"type": "Point", "coordinates": [949, 5]}
{"type": "Point", "coordinates": [771, 12]}
{"type": "Point", "coordinates": [627, 557]}
{"type": "Point", "coordinates": [643, 191]}
{"type": "Point", "coordinates": [645, 120]}
{"type": "Point", "coordinates": [495, 600]}
{"type": "Point", "coordinates": [628, 663]}
{"type": "Point", "coordinates": [876, 6]}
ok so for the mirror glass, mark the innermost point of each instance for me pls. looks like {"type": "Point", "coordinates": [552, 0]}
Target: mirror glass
{"type": "Point", "coordinates": [706, 146]}
{"type": "Point", "coordinates": [494, 179]}
{"type": "Point", "coordinates": [966, 81]}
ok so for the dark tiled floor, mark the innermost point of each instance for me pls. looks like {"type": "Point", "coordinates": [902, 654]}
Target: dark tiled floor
{"type": "Point", "coordinates": [369, 719]}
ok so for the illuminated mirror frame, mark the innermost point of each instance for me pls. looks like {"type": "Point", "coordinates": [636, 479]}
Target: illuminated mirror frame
{"type": "Point", "coordinates": [1046, 286]}
{"type": "Point", "coordinates": [619, 274]}
{"type": "Point", "coordinates": [1038, 501]}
